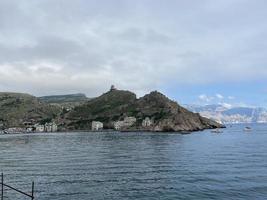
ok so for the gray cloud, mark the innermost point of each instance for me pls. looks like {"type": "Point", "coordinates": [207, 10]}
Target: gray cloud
{"type": "Point", "coordinates": [56, 46]}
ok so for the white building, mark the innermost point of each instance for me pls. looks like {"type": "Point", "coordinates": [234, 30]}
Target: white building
{"type": "Point", "coordinates": [96, 125]}
{"type": "Point", "coordinates": [15, 130]}
{"type": "Point", "coordinates": [118, 125]}
{"type": "Point", "coordinates": [54, 127]}
{"type": "Point", "coordinates": [147, 122]}
{"type": "Point", "coordinates": [39, 128]}
{"type": "Point", "coordinates": [127, 122]}
{"type": "Point", "coordinates": [50, 127]}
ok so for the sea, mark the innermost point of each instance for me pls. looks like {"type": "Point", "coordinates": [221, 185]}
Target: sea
{"type": "Point", "coordinates": [137, 165]}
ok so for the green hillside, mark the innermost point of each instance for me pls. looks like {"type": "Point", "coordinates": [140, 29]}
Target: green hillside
{"type": "Point", "coordinates": [17, 108]}
{"type": "Point", "coordinates": [64, 98]}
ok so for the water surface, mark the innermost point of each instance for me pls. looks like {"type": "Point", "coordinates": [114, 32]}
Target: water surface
{"type": "Point", "coordinates": [82, 166]}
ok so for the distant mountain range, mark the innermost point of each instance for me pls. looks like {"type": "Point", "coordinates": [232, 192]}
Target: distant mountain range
{"type": "Point", "coordinates": [231, 115]}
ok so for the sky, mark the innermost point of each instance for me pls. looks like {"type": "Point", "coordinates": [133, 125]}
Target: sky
{"type": "Point", "coordinates": [195, 52]}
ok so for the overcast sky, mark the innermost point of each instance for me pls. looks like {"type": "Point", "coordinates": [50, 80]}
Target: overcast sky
{"type": "Point", "coordinates": [193, 51]}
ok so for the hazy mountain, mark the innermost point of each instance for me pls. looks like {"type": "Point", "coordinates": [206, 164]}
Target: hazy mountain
{"type": "Point", "coordinates": [226, 114]}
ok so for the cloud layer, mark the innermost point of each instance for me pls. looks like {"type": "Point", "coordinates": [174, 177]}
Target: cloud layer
{"type": "Point", "coordinates": [58, 46]}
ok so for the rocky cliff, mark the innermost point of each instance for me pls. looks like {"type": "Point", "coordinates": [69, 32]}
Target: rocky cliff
{"type": "Point", "coordinates": [115, 105]}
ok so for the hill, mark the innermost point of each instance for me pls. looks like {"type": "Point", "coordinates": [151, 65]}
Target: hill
{"type": "Point", "coordinates": [106, 108]}
{"type": "Point", "coordinates": [18, 108]}
{"type": "Point", "coordinates": [68, 101]}
{"type": "Point", "coordinates": [64, 98]}
{"type": "Point", "coordinates": [115, 105]}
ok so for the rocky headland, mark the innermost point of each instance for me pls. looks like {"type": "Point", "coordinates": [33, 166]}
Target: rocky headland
{"type": "Point", "coordinates": [153, 112]}
{"type": "Point", "coordinates": [116, 109]}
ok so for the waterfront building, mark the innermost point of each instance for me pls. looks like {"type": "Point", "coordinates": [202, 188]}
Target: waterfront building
{"type": "Point", "coordinates": [54, 127]}
{"type": "Point", "coordinates": [127, 122]}
{"type": "Point", "coordinates": [39, 128]}
{"type": "Point", "coordinates": [14, 130]}
{"type": "Point", "coordinates": [118, 125]}
{"type": "Point", "coordinates": [96, 125]}
{"type": "Point", "coordinates": [50, 127]}
{"type": "Point", "coordinates": [147, 122]}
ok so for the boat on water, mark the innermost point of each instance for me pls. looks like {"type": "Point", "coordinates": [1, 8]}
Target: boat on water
{"type": "Point", "coordinates": [217, 130]}
{"type": "Point", "coordinates": [247, 129]}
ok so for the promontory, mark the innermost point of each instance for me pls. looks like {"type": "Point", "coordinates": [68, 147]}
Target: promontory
{"type": "Point", "coordinates": [114, 110]}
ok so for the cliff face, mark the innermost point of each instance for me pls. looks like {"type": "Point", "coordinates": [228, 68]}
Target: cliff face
{"type": "Point", "coordinates": [115, 105]}
{"type": "Point", "coordinates": [169, 116]}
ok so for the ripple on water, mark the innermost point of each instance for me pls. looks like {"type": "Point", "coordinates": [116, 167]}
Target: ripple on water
{"type": "Point", "coordinates": [144, 166]}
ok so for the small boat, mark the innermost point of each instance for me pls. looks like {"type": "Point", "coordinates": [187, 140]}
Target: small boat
{"type": "Point", "coordinates": [217, 130]}
{"type": "Point", "coordinates": [247, 128]}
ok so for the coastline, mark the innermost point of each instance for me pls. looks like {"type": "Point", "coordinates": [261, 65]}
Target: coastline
{"type": "Point", "coordinates": [182, 132]}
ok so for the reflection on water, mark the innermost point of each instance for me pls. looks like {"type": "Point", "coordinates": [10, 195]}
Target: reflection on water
{"type": "Point", "coordinates": [203, 165]}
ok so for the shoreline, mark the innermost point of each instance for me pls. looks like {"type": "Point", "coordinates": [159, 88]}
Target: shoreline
{"type": "Point", "coordinates": [183, 132]}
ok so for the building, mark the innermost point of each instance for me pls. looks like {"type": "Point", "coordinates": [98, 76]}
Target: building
{"type": "Point", "coordinates": [39, 128]}
{"type": "Point", "coordinates": [127, 122]}
{"type": "Point", "coordinates": [54, 127]}
{"type": "Point", "coordinates": [118, 125]}
{"type": "Point", "coordinates": [29, 129]}
{"type": "Point", "coordinates": [14, 130]}
{"type": "Point", "coordinates": [50, 127]}
{"type": "Point", "coordinates": [96, 125]}
{"type": "Point", "coordinates": [147, 122]}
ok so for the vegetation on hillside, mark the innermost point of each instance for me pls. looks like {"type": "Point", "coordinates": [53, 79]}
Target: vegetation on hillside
{"type": "Point", "coordinates": [117, 104]}
{"type": "Point", "coordinates": [18, 108]}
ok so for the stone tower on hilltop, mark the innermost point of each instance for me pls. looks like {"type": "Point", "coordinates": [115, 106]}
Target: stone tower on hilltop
{"type": "Point", "coordinates": [112, 88]}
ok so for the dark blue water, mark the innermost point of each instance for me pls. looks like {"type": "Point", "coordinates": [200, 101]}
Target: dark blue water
{"type": "Point", "coordinates": [82, 166]}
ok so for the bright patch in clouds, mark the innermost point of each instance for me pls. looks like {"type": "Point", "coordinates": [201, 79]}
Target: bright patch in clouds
{"type": "Point", "coordinates": [205, 98]}
{"type": "Point", "coordinates": [219, 96]}
{"type": "Point", "coordinates": [216, 99]}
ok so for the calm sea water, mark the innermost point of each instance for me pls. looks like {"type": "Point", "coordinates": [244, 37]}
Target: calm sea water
{"type": "Point", "coordinates": [82, 166]}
